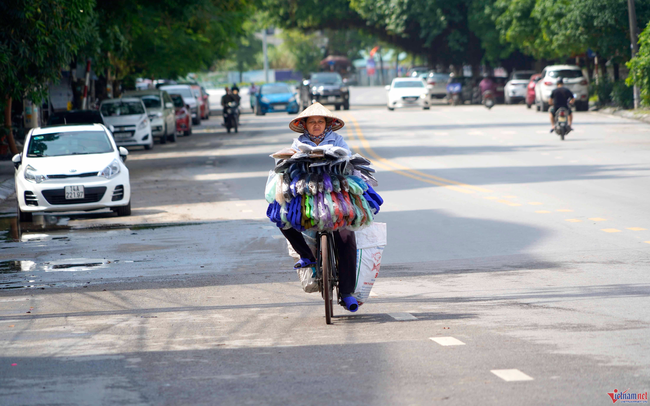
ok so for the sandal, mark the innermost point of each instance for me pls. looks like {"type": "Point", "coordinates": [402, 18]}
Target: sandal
{"type": "Point", "coordinates": [303, 263]}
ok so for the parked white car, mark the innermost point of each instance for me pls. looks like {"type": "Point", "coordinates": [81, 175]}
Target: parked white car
{"type": "Point", "coordinates": [574, 80]}
{"type": "Point", "coordinates": [128, 116]}
{"type": "Point", "coordinates": [188, 97]}
{"type": "Point", "coordinates": [71, 168]}
{"type": "Point", "coordinates": [515, 89]}
{"type": "Point", "coordinates": [408, 92]}
{"type": "Point", "coordinates": [160, 109]}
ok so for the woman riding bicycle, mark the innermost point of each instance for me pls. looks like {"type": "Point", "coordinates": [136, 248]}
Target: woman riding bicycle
{"type": "Point", "coordinates": [317, 125]}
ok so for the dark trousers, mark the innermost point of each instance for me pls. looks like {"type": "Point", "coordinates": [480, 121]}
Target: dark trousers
{"type": "Point", "coordinates": [346, 246]}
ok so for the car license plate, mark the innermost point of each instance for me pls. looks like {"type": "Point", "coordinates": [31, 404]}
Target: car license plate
{"type": "Point", "coordinates": [122, 136]}
{"type": "Point", "coordinates": [74, 192]}
{"type": "Point", "coordinates": [279, 107]}
{"type": "Point", "coordinates": [410, 99]}
{"type": "Point", "coordinates": [331, 98]}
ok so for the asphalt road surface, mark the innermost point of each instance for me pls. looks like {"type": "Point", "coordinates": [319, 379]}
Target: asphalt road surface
{"type": "Point", "coordinates": [516, 273]}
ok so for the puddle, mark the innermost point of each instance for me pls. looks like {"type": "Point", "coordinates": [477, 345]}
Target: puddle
{"type": "Point", "coordinates": [156, 226]}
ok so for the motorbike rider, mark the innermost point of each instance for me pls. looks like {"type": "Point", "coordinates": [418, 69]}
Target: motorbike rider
{"type": "Point", "coordinates": [560, 97]}
{"type": "Point", "coordinates": [225, 100]}
{"type": "Point", "coordinates": [317, 125]}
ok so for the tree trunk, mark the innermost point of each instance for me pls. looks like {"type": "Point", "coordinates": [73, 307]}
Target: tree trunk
{"type": "Point", "coordinates": [616, 73]}
{"type": "Point", "coordinates": [590, 70]}
{"type": "Point", "coordinates": [602, 67]}
{"type": "Point", "coordinates": [10, 135]}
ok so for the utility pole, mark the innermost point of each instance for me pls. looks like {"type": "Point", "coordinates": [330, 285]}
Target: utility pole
{"type": "Point", "coordinates": [635, 45]}
{"type": "Point", "coordinates": [266, 57]}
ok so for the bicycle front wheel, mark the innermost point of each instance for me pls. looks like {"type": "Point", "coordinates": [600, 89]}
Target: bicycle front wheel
{"type": "Point", "coordinates": [327, 280]}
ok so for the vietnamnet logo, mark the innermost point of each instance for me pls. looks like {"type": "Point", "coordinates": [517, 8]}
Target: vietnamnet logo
{"type": "Point", "coordinates": [625, 397]}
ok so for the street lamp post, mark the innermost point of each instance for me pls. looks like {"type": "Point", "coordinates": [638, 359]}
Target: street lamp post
{"type": "Point", "coordinates": [635, 44]}
{"type": "Point", "coordinates": [266, 56]}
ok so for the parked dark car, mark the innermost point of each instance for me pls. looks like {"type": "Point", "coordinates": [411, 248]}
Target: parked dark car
{"type": "Point", "coordinates": [76, 117]}
{"type": "Point", "coordinates": [327, 88]}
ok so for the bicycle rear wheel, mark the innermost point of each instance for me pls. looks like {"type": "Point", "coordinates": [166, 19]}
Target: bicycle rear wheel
{"type": "Point", "coordinates": [327, 280]}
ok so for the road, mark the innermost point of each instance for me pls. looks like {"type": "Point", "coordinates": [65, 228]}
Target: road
{"type": "Point", "coordinates": [516, 272]}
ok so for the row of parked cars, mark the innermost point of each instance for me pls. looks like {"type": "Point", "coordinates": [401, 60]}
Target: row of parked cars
{"type": "Point", "coordinates": [76, 162]}
{"type": "Point", "coordinates": [523, 86]}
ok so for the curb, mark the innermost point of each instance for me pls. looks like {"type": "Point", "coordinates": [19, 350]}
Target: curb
{"type": "Point", "coordinates": [6, 189]}
{"type": "Point", "coordinates": [641, 115]}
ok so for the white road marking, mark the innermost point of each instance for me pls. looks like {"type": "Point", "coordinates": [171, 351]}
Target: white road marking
{"type": "Point", "coordinates": [511, 375]}
{"type": "Point", "coordinates": [403, 316]}
{"type": "Point", "coordinates": [247, 211]}
{"type": "Point", "coordinates": [243, 204]}
{"type": "Point", "coordinates": [446, 341]}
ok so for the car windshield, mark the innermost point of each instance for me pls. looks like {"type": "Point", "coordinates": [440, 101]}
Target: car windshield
{"type": "Point", "coordinates": [521, 76]}
{"type": "Point", "coordinates": [565, 73]}
{"type": "Point", "coordinates": [178, 100]}
{"type": "Point", "coordinates": [72, 117]}
{"type": "Point", "coordinates": [439, 76]}
{"type": "Point", "coordinates": [275, 89]}
{"type": "Point", "coordinates": [326, 79]}
{"type": "Point", "coordinates": [122, 108]}
{"type": "Point", "coordinates": [151, 101]}
{"type": "Point", "coordinates": [183, 91]}
{"type": "Point", "coordinates": [408, 83]}
{"type": "Point", "coordinates": [69, 143]}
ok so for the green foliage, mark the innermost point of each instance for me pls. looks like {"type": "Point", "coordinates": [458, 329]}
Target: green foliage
{"type": "Point", "coordinates": [640, 67]}
{"type": "Point", "coordinates": [167, 38]}
{"type": "Point", "coordinates": [622, 95]}
{"type": "Point", "coordinates": [561, 28]}
{"type": "Point", "coordinates": [305, 50]}
{"type": "Point", "coordinates": [37, 38]}
{"type": "Point", "coordinates": [602, 89]}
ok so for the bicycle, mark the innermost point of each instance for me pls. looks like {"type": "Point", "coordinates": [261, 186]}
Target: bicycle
{"type": "Point", "coordinates": [327, 271]}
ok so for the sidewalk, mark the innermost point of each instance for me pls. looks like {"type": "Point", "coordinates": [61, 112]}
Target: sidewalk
{"type": "Point", "coordinates": [6, 179]}
{"type": "Point", "coordinates": [640, 115]}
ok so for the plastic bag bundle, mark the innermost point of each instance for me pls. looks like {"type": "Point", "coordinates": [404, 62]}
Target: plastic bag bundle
{"type": "Point", "coordinates": [322, 188]}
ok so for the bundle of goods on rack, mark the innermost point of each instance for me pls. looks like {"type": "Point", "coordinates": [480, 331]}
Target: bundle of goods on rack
{"type": "Point", "coordinates": [321, 188]}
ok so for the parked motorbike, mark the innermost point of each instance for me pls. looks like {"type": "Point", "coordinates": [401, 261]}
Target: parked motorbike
{"type": "Point", "coordinates": [488, 99]}
{"type": "Point", "coordinates": [454, 94]}
{"type": "Point", "coordinates": [562, 122]}
{"type": "Point", "coordinates": [230, 117]}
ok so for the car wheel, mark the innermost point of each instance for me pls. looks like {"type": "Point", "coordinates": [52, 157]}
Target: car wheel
{"type": "Point", "coordinates": [149, 147]}
{"type": "Point", "coordinates": [197, 121]}
{"type": "Point", "coordinates": [528, 106]}
{"type": "Point", "coordinates": [544, 106]}
{"type": "Point", "coordinates": [24, 217]}
{"type": "Point", "coordinates": [425, 108]}
{"type": "Point", "coordinates": [174, 136]}
{"type": "Point", "coordinates": [163, 139]}
{"type": "Point", "coordinates": [582, 106]}
{"type": "Point", "coordinates": [346, 106]}
{"type": "Point", "coordinates": [187, 133]}
{"type": "Point", "coordinates": [390, 109]}
{"type": "Point", "coordinates": [337, 107]}
{"type": "Point", "coordinates": [122, 211]}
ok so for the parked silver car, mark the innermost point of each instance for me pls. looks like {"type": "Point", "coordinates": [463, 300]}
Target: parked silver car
{"type": "Point", "coordinates": [160, 109]}
{"type": "Point", "coordinates": [188, 97]}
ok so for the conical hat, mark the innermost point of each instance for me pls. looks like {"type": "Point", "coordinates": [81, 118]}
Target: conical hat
{"type": "Point", "coordinates": [315, 110]}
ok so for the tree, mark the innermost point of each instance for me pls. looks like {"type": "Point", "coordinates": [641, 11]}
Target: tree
{"type": "Point", "coordinates": [640, 67]}
{"type": "Point", "coordinates": [167, 38]}
{"type": "Point", "coordinates": [37, 38]}
{"type": "Point", "coordinates": [306, 53]}
{"type": "Point", "coordinates": [438, 29]}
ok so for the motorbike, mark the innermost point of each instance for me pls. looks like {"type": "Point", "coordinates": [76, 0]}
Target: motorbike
{"type": "Point", "coordinates": [454, 94]}
{"type": "Point", "coordinates": [230, 117]}
{"type": "Point", "coordinates": [488, 99]}
{"type": "Point", "coordinates": [562, 122]}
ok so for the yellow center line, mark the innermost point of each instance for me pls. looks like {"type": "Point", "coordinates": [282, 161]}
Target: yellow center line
{"type": "Point", "coordinates": [406, 171]}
